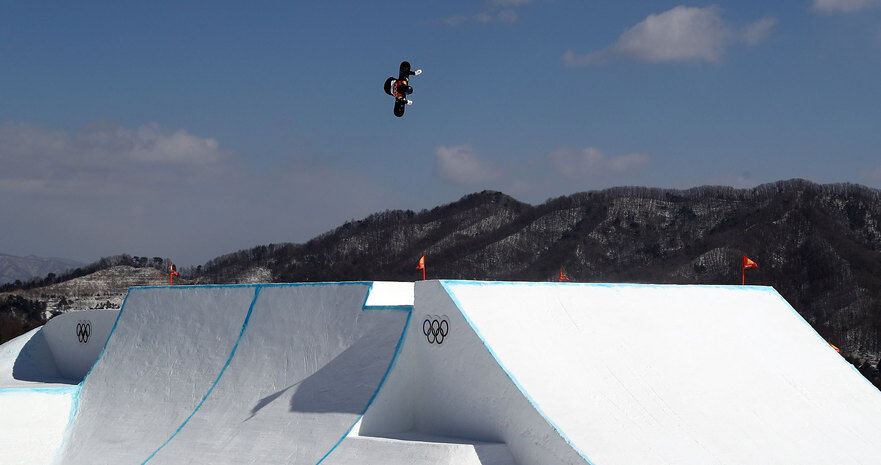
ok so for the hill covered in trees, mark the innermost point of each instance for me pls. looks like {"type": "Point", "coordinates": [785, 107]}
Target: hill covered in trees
{"type": "Point", "coordinates": [818, 245]}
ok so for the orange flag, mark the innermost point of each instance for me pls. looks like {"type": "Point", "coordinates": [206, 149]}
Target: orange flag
{"type": "Point", "coordinates": [421, 266]}
{"type": "Point", "coordinates": [562, 277]}
{"type": "Point", "coordinates": [172, 272]}
{"type": "Point", "coordinates": [747, 263]}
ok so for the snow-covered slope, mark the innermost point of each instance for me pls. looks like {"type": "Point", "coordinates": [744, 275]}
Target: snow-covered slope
{"type": "Point", "coordinates": [102, 289]}
{"type": "Point", "coordinates": [627, 374]}
{"type": "Point", "coordinates": [236, 374]}
{"type": "Point", "coordinates": [35, 406]}
{"type": "Point", "coordinates": [470, 373]}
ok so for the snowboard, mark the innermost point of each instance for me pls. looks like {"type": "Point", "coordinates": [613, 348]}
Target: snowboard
{"type": "Point", "coordinates": [403, 76]}
{"type": "Point", "coordinates": [404, 71]}
{"type": "Point", "coordinates": [400, 106]}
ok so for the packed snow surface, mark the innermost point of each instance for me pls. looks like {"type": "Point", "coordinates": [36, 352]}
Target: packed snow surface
{"type": "Point", "coordinates": [453, 372]}
{"type": "Point", "coordinates": [227, 374]}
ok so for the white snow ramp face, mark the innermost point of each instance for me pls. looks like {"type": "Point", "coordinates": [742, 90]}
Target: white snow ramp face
{"type": "Point", "coordinates": [235, 374]}
{"type": "Point", "coordinates": [627, 374]}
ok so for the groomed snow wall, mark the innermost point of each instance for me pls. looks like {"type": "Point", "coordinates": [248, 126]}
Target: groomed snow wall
{"type": "Point", "coordinates": [478, 373]}
{"type": "Point", "coordinates": [39, 372]}
{"type": "Point", "coordinates": [613, 374]}
{"type": "Point", "coordinates": [225, 374]}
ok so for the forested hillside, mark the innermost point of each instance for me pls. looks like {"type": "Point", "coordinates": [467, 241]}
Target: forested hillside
{"type": "Point", "coordinates": [818, 245]}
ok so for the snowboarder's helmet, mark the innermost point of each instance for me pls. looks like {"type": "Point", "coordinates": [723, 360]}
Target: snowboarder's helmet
{"type": "Point", "coordinates": [409, 90]}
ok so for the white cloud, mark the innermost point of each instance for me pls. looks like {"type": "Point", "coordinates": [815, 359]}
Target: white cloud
{"type": "Point", "coordinates": [495, 11]}
{"type": "Point", "coordinates": [107, 189]}
{"type": "Point", "coordinates": [508, 3]}
{"type": "Point", "coordinates": [681, 34]}
{"type": "Point", "coordinates": [843, 6]}
{"type": "Point", "coordinates": [756, 32]}
{"type": "Point", "coordinates": [872, 177]}
{"type": "Point", "coordinates": [535, 178]}
{"type": "Point", "coordinates": [460, 165]}
{"type": "Point", "coordinates": [507, 16]}
{"type": "Point", "coordinates": [592, 163]}
{"type": "Point", "coordinates": [456, 20]}
{"type": "Point", "coordinates": [58, 162]}
{"type": "Point", "coordinates": [743, 180]}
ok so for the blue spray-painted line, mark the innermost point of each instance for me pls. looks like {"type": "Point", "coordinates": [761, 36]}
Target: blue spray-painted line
{"type": "Point", "coordinates": [385, 376]}
{"type": "Point", "coordinates": [507, 372]}
{"type": "Point", "coordinates": [197, 286]}
{"type": "Point", "coordinates": [71, 417]}
{"type": "Point", "coordinates": [107, 342]}
{"type": "Point", "coordinates": [216, 286]}
{"type": "Point", "coordinates": [364, 305]}
{"type": "Point", "coordinates": [322, 283]}
{"type": "Point", "coordinates": [366, 297]}
{"type": "Point", "coordinates": [219, 375]}
{"type": "Point", "coordinates": [59, 390]}
{"type": "Point", "coordinates": [399, 308]}
{"type": "Point", "coordinates": [607, 285]}
{"type": "Point", "coordinates": [75, 407]}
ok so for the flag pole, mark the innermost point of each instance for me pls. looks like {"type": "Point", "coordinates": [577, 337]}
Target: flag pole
{"type": "Point", "coordinates": [561, 277]}
{"type": "Point", "coordinates": [747, 263]}
{"type": "Point", "coordinates": [421, 265]}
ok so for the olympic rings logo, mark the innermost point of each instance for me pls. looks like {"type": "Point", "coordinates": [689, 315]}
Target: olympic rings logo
{"type": "Point", "coordinates": [83, 331]}
{"type": "Point", "coordinates": [435, 328]}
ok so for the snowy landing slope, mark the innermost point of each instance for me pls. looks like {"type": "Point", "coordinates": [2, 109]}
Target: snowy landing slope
{"type": "Point", "coordinates": [628, 374]}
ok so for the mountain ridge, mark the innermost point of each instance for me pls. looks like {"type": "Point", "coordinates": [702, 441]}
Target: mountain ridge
{"type": "Point", "coordinates": [14, 268]}
{"type": "Point", "coordinates": [818, 245]}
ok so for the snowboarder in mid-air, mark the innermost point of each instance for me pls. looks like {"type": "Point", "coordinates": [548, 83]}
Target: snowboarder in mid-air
{"type": "Point", "coordinates": [400, 88]}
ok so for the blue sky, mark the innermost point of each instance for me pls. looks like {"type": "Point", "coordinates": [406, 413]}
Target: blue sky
{"type": "Point", "coordinates": [194, 130]}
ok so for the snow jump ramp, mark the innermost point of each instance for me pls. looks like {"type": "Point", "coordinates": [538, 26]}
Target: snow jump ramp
{"type": "Point", "coordinates": [39, 375]}
{"type": "Point", "coordinates": [484, 373]}
{"type": "Point", "coordinates": [234, 374]}
{"type": "Point", "coordinates": [609, 374]}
